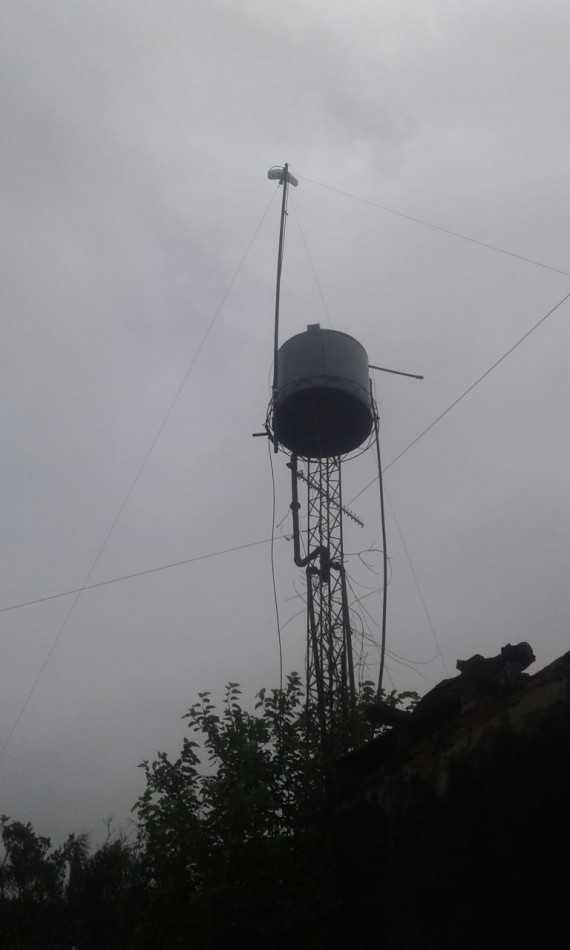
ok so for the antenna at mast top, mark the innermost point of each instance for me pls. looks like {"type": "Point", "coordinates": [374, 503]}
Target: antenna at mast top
{"type": "Point", "coordinates": [282, 173]}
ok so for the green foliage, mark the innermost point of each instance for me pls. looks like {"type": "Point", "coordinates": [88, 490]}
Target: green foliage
{"type": "Point", "coordinates": [65, 897]}
{"type": "Point", "coordinates": [244, 841]}
{"type": "Point", "coordinates": [226, 836]}
{"type": "Point", "coordinates": [28, 872]}
{"type": "Point", "coordinates": [235, 841]}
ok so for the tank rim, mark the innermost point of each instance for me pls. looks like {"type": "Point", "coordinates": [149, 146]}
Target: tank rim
{"type": "Point", "coordinates": [326, 330]}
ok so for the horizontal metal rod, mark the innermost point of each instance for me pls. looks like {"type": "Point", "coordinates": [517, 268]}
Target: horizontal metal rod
{"type": "Point", "coordinates": [397, 372]}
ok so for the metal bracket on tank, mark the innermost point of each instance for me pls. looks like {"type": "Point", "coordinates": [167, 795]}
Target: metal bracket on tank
{"type": "Point", "coordinates": [396, 372]}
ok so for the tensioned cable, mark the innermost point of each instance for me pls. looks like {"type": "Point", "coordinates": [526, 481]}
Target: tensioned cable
{"type": "Point", "coordinates": [462, 396]}
{"type": "Point", "coordinates": [351, 582]}
{"type": "Point", "coordinates": [409, 664]}
{"type": "Point", "coordinates": [389, 675]}
{"type": "Point", "coordinates": [280, 255]}
{"type": "Point", "coordinates": [128, 577]}
{"type": "Point", "coordinates": [407, 659]}
{"type": "Point", "coordinates": [317, 281]}
{"type": "Point", "coordinates": [438, 227]}
{"type": "Point", "coordinates": [417, 583]}
{"type": "Point", "coordinates": [149, 570]}
{"type": "Point", "coordinates": [134, 482]}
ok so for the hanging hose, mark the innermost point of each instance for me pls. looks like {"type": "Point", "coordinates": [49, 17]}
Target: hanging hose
{"type": "Point", "coordinates": [385, 556]}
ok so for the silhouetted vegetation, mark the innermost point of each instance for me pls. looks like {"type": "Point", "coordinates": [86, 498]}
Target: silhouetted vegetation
{"type": "Point", "coordinates": [234, 843]}
{"type": "Point", "coordinates": [246, 839]}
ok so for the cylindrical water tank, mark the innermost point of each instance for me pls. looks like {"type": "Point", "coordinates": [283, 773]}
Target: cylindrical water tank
{"type": "Point", "coordinates": [323, 405]}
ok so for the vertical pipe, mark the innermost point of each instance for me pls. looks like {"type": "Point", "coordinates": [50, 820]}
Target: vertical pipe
{"type": "Point", "coordinates": [385, 558]}
{"type": "Point", "coordinates": [346, 618]}
{"type": "Point", "coordinates": [349, 655]}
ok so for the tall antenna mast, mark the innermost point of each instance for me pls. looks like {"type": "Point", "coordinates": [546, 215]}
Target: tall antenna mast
{"type": "Point", "coordinates": [322, 409]}
{"type": "Point", "coordinates": [284, 176]}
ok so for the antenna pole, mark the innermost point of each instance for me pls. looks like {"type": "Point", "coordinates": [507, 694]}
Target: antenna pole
{"type": "Point", "coordinates": [285, 185]}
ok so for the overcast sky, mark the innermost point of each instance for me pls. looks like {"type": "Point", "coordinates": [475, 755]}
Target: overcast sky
{"type": "Point", "coordinates": [136, 141]}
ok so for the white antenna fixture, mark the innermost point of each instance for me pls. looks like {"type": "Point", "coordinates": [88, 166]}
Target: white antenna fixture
{"type": "Point", "coordinates": [282, 173]}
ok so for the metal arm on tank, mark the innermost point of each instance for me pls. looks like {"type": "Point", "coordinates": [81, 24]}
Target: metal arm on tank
{"type": "Point", "coordinates": [397, 372]}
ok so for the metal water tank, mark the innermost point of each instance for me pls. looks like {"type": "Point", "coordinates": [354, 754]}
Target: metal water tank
{"type": "Point", "coordinates": [323, 405]}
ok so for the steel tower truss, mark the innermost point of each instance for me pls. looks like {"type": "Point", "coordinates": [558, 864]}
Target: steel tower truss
{"type": "Point", "coordinates": [331, 688]}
